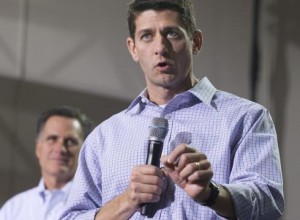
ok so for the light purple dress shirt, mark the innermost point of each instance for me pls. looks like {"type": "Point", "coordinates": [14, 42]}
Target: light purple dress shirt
{"type": "Point", "coordinates": [237, 135]}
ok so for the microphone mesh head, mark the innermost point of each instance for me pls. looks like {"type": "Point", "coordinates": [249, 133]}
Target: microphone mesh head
{"type": "Point", "coordinates": [159, 129]}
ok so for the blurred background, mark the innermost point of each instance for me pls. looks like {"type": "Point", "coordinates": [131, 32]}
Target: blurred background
{"type": "Point", "coordinates": [73, 52]}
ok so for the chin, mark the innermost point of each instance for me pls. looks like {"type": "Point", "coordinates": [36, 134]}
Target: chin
{"type": "Point", "coordinates": [60, 169]}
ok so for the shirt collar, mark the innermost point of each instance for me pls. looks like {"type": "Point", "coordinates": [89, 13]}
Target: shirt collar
{"type": "Point", "coordinates": [43, 191]}
{"type": "Point", "coordinates": [41, 186]}
{"type": "Point", "coordinates": [203, 90]}
{"type": "Point", "coordinates": [137, 104]}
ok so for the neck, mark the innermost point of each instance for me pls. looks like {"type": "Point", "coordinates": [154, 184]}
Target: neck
{"type": "Point", "coordinates": [53, 182]}
{"type": "Point", "coordinates": [161, 95]}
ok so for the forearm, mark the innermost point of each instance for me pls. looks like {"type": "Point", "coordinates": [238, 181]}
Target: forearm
{"type": "Point", "coordinates": [256, 200]}
{"type": "Point", "coordinates": [122, 209]}
{"type": "Point", "coordinates": [224, 204]}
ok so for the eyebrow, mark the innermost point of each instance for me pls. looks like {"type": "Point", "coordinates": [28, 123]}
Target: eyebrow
{"type": "Point", "coordinates": [51, 136]}
{"type": "Point", "coordinates": [144, 31]}
{"type": "Point", "coordinates": [167, 28]}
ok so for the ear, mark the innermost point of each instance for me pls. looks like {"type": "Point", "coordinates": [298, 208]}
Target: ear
{"type": "Point", "coordinates": [197, 41]}
{"type": "Point", "coordinates": [132, 49]}
{"type": "Point", "coordinates": [37, 149]}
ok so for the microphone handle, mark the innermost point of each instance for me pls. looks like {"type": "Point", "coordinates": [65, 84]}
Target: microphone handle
{"type": "Point", "coordinates": [153, 158]}
{"type": "Point", "coordinates": [154, 153]}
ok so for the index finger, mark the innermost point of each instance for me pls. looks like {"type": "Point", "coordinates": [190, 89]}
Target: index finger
{"type": "Point", "coordinates": [174, 156]}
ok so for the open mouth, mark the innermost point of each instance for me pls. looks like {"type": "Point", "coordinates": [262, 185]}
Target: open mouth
{"type": "Point", "coordinates": [164, 66]}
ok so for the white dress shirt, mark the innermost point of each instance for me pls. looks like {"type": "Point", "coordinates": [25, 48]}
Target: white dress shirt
{"type": "Point", "coordinates": [37, 203]}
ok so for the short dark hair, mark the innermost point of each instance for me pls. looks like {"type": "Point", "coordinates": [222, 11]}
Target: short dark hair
{"type": "Point", "coordinates": [68, 112]}
{"type": "Point", "coordinates": [183, 7]}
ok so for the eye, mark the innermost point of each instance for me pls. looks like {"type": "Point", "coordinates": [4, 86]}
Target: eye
{"type": "Point", "coordinates": [172, 34]}
{"type": "Point", "coordinates": [70, 142]}
{"type": "Point", "coordinates": [51, 139]}
{"type": "Point", "coordinates": [146, 37]}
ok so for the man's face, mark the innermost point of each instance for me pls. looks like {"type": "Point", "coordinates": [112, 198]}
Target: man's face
{"type": "Point", "coordinates": [163, 48]}
{"type": "Point", "coordinates": [58, 146]}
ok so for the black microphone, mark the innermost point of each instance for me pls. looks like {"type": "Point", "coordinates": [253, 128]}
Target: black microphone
{"type": "Point", "coordinates": [157, 133]}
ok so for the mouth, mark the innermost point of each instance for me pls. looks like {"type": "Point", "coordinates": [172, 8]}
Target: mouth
{"type": "Point", "coordinates": [61, 160]}
{"type": "Point", "coordinates": [164, 66]}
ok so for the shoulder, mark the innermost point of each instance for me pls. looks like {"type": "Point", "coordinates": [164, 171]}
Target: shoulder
{"type": "Point", "coordinates": [230, 102]}
{"type": "Point", "coordinates": [111, 123]}
{"type": "Point", "coordinates": [24, 196]}
{"type": "Point", "coordinates": [18, 201]}
{"type": "Point", "coordinates": [104, 130]}
{"type": "Point", "coordinates": [238, 111]}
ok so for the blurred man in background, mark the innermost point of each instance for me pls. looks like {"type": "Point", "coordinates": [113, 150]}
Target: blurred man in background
{"type": "Point", "coordinates": [60, 134]}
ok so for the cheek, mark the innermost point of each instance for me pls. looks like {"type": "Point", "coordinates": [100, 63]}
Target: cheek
{"type": "Point", "coordinates": [145, 65]}
{"type": "Point", "coordinates": [41, 153]}
{"type": "Point", "coordinates": [184, 50]}
{"type": "Point", "coordinates": [74, 153]}
{"type": "Point", "coordinates": [144, 53]}
{"type": "Point", "coordinates": [185, 54]}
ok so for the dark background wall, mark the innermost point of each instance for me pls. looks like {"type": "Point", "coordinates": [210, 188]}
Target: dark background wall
{"type": "Point", "coordinates": [73, 52]}
{"type": "Point", "coordinates": [21, 104]}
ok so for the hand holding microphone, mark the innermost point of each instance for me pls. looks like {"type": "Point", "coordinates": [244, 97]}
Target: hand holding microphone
{"type": "Point", "coordinates": [157, 133]}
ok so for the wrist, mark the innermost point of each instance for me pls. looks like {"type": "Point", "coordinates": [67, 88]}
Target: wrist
{"type": "Point", "coordinates": [121, 205]}
{"type": "Point", "coordinates": [212, 194]}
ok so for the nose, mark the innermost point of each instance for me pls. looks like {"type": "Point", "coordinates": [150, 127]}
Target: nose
{"type": "Point", "coordinates": [60, 147]}
{"type": "Point", "coordinates": [161, 46]}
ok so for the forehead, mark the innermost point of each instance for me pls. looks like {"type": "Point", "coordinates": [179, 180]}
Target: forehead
{"type": "Point", "coordinates": [60, 124]}
{"type": "Point", "coordinates": [151, 17]}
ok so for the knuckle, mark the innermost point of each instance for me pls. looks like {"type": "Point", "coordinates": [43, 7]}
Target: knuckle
{"type": "Point", "coordinates": [134, 187]}
{"type": "Point", "coordinates": [207, 164]}
{"type": "Point", "coordinates": [158, 190]}
{"type": "Point", "coordinates": [154, 198]}
{"type": "Point", "coordinates": [157, 181]}
{"type": "Point", "coordinates": [183, 158]}
{"type": "Point", "coordinates": [134, 177]}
